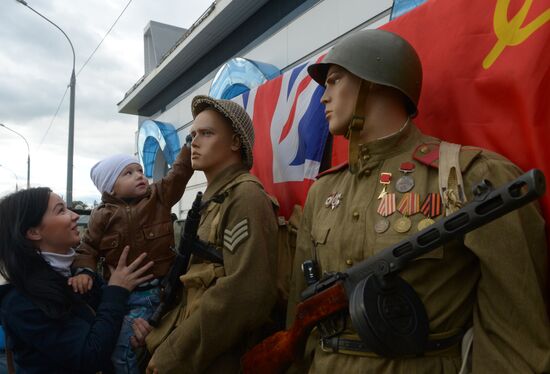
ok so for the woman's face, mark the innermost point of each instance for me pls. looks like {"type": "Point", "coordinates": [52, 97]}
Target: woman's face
{"type": "Point", "coordinates": [57, 232]}
{"type": "Point", "coordinates": [342, 88]}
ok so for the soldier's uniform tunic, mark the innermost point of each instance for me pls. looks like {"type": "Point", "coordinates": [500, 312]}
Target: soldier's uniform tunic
{"type": "Point", "coordinates": [492, 278]}
{"type": "Point", "coordinates": [224, 305]}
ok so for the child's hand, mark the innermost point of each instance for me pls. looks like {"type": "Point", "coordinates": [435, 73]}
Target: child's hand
{"type": "Point", "coordinates": [81, 283]}
{"type": "Point", "coordinates": [141, 329]}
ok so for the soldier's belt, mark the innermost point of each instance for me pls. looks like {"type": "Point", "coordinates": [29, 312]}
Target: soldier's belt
{"type": "Point", "coordinates": [351, 344]}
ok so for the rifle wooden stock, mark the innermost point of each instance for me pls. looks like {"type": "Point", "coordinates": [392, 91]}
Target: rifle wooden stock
{"type": "Point", "coordinates": [276, 353]}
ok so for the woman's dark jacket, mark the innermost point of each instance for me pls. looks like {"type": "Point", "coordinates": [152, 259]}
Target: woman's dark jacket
{"type": "Point", "coordinates": [81, 343]}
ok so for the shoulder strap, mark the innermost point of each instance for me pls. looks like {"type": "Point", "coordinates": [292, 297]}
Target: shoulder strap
{"type": "Point", "coordinates": [333, 169]}
{"type": "Point", "coordinates": [451, 160]}
{"type": "Point", "coordinates": [428, 154]}
{"type": "Point", "coordinates": [451, 185]}
{"type": "Point", "coordinates": [245, 177]}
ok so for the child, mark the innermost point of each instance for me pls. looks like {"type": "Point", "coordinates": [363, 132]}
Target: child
{"type": "Point", "coordinates": [137, 214]}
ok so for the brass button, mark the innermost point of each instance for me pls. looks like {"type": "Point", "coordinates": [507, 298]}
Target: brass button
{"type": "Point", "coordinates": [151, 234]}
{"type": "Point", "coordinates": [355, 215]}
{"type": "Point", "coordinates": [349, 262]}
{"type": "Point", "coordinates": [424, 149]}
{"type": "Point", "coordinates": [114, 243]}
{"type": "Point", "coordinates": [366, 157]}
{"type": "Point", "coordinates": [367, 172]}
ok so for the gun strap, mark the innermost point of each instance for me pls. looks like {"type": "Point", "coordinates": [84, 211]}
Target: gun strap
{"type": "Point", "coordinates": [10, 361]}
{"type": "Point", "coordinates": [451, 185]}
{"type": "Point", "coordinates": [467, 343]}
{"type": "Point", "coordinates": [356, 126]}
{"type": "Point", "coordinates": [351, 344]}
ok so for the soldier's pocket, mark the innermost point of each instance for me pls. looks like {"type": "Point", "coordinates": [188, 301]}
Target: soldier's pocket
{"type": "Point", "coordinates": [321, 247]}
{"type": "Point", "coordinates": [197, 280]}
{"type": "Point", "coordinates": [319, 235]}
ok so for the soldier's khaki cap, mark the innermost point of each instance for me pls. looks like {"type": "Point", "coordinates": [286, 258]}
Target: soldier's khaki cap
{"type": "Point", "coordinates": [240, 121]}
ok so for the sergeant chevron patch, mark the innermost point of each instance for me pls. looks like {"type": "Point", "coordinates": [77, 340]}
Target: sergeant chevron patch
{"type": "Point", "coordinates": [232, 238]}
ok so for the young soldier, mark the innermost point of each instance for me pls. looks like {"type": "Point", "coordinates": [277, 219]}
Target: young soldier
{"type": "Point", "coordinates": [491, 279]}
{"type": "Point", "coordinates": [224, 305]}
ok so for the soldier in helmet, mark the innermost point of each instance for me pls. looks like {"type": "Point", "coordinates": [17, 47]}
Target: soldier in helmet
{"type": "Point", "coordinates": [398, 181]}
{"type": "Point", "coordinates": [223, 305]}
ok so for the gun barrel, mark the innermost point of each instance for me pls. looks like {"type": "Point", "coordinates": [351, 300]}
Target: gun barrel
{"type": "Point", "coordinates": [171, 284]}
{"type": "Point", "coordinates": [193, 219]}
{"type": "Point", "coordinates": [157, 314]}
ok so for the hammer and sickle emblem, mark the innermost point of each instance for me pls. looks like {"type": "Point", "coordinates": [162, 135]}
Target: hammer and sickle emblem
{"type": "Point", "coordinates": [512, 32]}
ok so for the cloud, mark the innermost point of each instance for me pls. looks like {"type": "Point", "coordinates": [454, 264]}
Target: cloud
{"type": "Point", "coordinates": [36, 63]}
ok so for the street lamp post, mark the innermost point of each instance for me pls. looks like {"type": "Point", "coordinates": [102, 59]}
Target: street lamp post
{"type": "Point", "coordinates": [28, 154]}
{"type": "Point", "coordinates": [72, 85]}
{"type": "Point", "coordinates": [15, 175]}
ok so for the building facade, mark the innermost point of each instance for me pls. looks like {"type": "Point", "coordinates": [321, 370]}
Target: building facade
{"type": "Point", "coordinates": [234, 46]}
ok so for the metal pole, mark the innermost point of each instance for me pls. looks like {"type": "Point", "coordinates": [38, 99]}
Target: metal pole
{"type": "Point", "coordinates": [15, 175]}
{"type": "Point", "coordinates": [69, 198]}
{"type": "Point", "coordinates": [28, 153]}
{"type": "Point", "coordinates": [72, 85]}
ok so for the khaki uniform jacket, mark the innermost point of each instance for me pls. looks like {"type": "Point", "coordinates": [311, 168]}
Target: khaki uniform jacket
{"type": "Point", "coordinates": [224, 306]}
{"type": "Point", "coordinates": [144, 224]}
{"type": "Point", "coordinates": [493, 278]}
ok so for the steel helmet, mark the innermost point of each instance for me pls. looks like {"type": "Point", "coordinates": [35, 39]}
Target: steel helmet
{"type": "Point", "coordinates": [376, 56]}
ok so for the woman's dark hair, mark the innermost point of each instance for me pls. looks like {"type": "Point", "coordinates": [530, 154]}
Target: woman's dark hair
{"type": "Point", "coordinates": [21, 263]}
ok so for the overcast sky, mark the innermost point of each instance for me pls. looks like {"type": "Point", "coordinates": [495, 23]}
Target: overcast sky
{"type": "Point", "coordinates": [35, 67]}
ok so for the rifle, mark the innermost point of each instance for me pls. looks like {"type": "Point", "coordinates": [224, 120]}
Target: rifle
{"type": "Point", "coordinates": [189, 245]}
{"type": "Point", "coordinates": [352, 289]}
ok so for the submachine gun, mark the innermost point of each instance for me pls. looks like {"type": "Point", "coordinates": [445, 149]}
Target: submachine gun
{"type": "Point", "coordinates": [386, 312]}
{"type": "Point", "coordinates": [189, 244]}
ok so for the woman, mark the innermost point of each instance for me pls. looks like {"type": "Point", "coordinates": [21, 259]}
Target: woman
{"type": "Point", "coordinates": [49, 327]}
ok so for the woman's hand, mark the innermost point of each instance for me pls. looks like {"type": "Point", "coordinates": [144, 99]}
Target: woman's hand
{"type": "Point", "coordinates": [81, 283]}
{"type": "Point", "coordinates": [141, 328]}
{"type": "Point", "coordinates": [129, 276]}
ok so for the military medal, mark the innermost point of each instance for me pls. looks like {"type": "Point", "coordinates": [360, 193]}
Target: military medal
{"type": "Point", "coordinates": [425, 223]}
{"type": "Point", "coordinates": [406, 182]}
{"type": "Point", "coordinates": [382, 225]}
{"type": "Point", "coordinates": [387, 205]}
{"type": "Point", "coordinates": [385, 208]}
{"type": "Point", "coordinates": [431, 207]}
{"type": "Point", "coordinates": [409, 204]}
{"type": "Point", "coordinates": [385, 179]}
{"type": "Point", "coordinates": [333, 200]}
{"type": "Point", "coordinates": [402, 225]}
